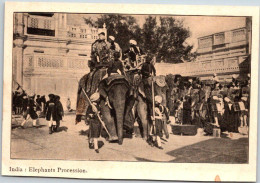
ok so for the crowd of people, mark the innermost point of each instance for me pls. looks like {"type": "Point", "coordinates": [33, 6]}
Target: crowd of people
{"type": "Point", "coordinates": [32, 107]}
{"type": "Point", "coordinates": [212, 103]}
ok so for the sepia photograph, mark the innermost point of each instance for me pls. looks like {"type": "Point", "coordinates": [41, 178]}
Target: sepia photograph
{"type": "Point", "coordinates": [129, 87]}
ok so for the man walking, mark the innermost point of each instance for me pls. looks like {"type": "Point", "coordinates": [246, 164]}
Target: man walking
{"type": "Point", "coordinates": [51, 113]}
{"type": "Point", "coordinates": [60, 112]}
{"type": "Point", "coordinates": [30, 113]}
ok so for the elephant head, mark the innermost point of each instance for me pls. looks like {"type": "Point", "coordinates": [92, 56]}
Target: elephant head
{"type": "Point", "coordinates": [114, 96]}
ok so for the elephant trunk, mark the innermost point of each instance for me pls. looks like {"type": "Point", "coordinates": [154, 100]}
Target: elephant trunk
{"type": "Point", "coordinates": [118, 99]}
{"type": "Point", "coordinates": [119, 121]}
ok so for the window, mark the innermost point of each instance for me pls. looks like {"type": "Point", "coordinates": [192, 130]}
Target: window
{"type": "Point", "coordinates": [219, 39]}
{"type": "Point", "coordinates": [47, 24]}
{"type": "Point", "coordinates": [40, 26]}
{"type": "Point", "coordinates": [34, 23]}
{"type": "Point", "coordinates": [205, 42]}
{"type": "Point", "coordinates": [83, 30]}
{"type": "Point", "coordinates": [238, 35]}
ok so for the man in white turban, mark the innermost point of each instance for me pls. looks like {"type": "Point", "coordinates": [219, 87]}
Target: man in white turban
{"type": "Point", "coordinates": [114, 47]}
{"type": "Point", "coordinates": [133, 52]}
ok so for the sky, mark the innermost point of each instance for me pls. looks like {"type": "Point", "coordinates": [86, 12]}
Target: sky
{"type": "Point", "coordinates": [198, 25]}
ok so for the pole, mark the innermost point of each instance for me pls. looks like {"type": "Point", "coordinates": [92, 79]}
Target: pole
{"type": "Point", "coordinates": [153, 127]}
{"type": "Point", "coordinates": [99, 118]}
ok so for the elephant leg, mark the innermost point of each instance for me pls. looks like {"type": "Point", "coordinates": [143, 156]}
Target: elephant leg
{"type": "Point", "coordinates": [109, 121]}
{"type": "Point", "coordinates": [119, 120]}
{"type": "Point", "coordinates": [129, 116]}
{"type": "Point", "coordinates": [142, 113]}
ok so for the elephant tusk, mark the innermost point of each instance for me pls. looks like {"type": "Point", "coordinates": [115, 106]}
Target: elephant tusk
{"type": "Point", "coordinates": [108, 103]}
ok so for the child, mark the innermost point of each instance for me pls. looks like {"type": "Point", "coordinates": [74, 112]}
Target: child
{"type": "Point", "coordinates": [94, 123]}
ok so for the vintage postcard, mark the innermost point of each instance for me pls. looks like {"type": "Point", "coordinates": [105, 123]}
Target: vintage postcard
{"type": "Point", "coordinates": [130, 91]}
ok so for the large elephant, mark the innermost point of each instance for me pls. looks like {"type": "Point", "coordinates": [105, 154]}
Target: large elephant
{"type": "Point", "coordinates": [143, 99]}
{"type": "Point", "coordinates": [115, 105]}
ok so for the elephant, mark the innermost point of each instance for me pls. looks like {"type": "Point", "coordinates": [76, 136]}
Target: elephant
{"type": "Point", "coordinates": [115, 105]}
{"type": "Point", "coordinates": [143, 99]}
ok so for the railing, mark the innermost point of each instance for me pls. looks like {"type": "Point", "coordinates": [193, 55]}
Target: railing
{"type": "Point", "coordinates": [227, 65]}
{"type": "Point", "coordinates": [33, 63]}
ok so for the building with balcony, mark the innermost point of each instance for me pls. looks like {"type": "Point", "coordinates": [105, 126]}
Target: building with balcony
{"type": "Point", "coordinates": [50, 54]}
{"type": "Point", "coordinates": [224, 53]}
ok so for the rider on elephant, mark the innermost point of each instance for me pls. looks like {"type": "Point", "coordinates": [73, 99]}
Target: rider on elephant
{"type": "Point", "coordinates": [133, 53]}
{"type": "Point", "coordinates": [100, 51]}
{"type": "Point", "coordinates": [114, 48]}
{"type": "Point", "coordinates": [115, 66]}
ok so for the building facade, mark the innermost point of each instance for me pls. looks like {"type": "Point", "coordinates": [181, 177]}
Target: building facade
{"type": "Point", "coordinates": [49, 54]}
{"type": "Point", "coordinates": [224, 53]}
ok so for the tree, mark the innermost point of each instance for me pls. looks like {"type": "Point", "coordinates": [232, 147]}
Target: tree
{"type": "Point", "coordinates": [172, 36]}
{"type": "Point", "coordinates": [150, 41]}
{"type": "Point", "coordinates": [123, 28]}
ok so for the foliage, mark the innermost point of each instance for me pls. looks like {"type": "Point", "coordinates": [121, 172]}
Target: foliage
{"type": "Point", "coordinates": [163, 37]}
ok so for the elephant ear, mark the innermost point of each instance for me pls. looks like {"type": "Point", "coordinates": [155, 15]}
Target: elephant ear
{"type": "Point", "coordinates": [102, 89]}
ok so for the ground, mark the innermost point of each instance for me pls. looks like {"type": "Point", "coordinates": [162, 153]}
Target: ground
{"type": "Point", "coordinates": [70, 143]}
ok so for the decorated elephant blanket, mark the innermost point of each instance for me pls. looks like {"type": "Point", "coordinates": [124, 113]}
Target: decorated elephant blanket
{"type": "Point", "coordinates": [89, 83]}
{"type": "Point", "coordinates": [114, 79]}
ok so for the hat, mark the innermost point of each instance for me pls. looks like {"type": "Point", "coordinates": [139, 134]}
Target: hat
{"type": "Point", "coordinates": [215, 98]}
{"type": "Point", "coordinates": [133, 42]}
{"type": "Point", "coordinates": [227, 99]}
{"type": "Point", "coordinates": [51, 95]}
{"type": "Point", "coordinates": [244, 98]}
{"type": "Point", "coordinates": [94, 97]}
{"type": "Point", "coordinates": [101, 33]}
{"type": "Point", "coordinates": [158, 99]}
{"type": "Point", "coordinates": [214, 74]}
{"type": "Point", "coordinates": [112, 38]}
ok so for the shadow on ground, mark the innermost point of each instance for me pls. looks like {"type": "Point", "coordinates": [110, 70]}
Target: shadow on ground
{"type": "Point", "coordinates": [62, 128]}
{"type": "Point", "coordinates": [216, 150]}
{"type": "Point", "coordinates": [84, 132]}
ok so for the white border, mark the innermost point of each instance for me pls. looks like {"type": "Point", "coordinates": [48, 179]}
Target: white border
{"type": "Point", "coordinates": [132, 170]}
